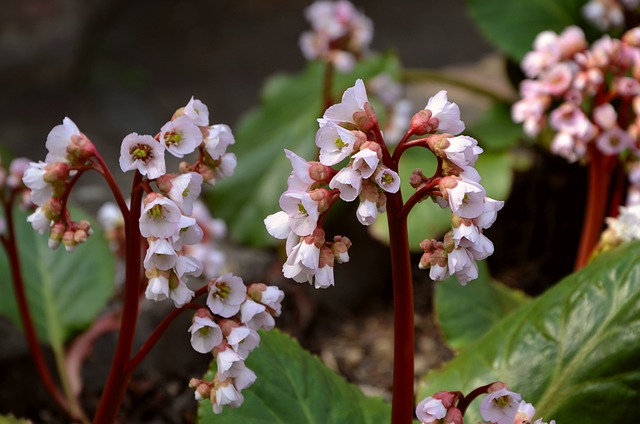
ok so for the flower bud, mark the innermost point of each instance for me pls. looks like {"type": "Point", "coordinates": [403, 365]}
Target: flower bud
{"type": "Point", "coordinates": [454, 416]}
{"type": "Point", "coordinates": [80, 236]}
{"type": "Point", "coordinates": [340, 248]}
{"type": "Point", "coordinates": [420, 123]}
{"type": "Point", "coordinates": [52, 209]}
{"type": "Point", "coordinates": [68, 240]}
{"type": "Point", "coordinates": [321, 173]}
{"type": "Point", "coordinates": [255, 290]}
{"type": "Point", "coordinates": [367, 120]}
{"type": "Point", "coordinates": [80, 149]}
{"type": "Point", "coordinates": [56, 234]}
{"type": "Point", "coordinates": [417, 178]}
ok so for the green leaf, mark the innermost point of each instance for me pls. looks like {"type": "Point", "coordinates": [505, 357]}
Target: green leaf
{"type": "Point", "coordinates": [10, 419]}
{"type": "Point", "coordinates": [513, 25]}
{"type": "Point", "coordinates": [573, 352]}
{"type": "Point", "coordinates": [427, 220]}
{"type": "Point", "coordinates": [286, 120]}
{"type": "Point", "coordinates": [66, 291]}
{"type": "Point", "coordinates": [293, 386]}
{"type": "Point", "coordinates": [465, 313]}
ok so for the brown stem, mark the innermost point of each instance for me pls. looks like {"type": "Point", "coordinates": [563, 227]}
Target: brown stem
{"type": "Point", "coordinates": [17, 280]}
{"type": "Point", "coordinates": [600, 168]}
{"type": "Point", "coordinates": [119, 374]}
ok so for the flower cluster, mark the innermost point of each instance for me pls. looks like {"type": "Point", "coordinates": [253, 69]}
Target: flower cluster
{"type": "Point", "coordinates": [500, 406]}
{"type": "Point", "coordinates": [591, 95]}
{"type": "Point", "coordinates": [349, 137]}
{"type": "Point", "coordinates": [340, 33]}
{"type": "Point", "coordinates": [69, 154]}
{"type": "Point", "coordinates": [166, 219]}
{"type": "Point", "coordinates": [607, 14]}
{"type": "Point", "coordinates": [227, 328]}
{"type": "Point", "coordinates": [455, 185]}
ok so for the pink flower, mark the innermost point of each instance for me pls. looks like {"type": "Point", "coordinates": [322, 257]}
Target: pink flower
{"type": "Point", "coordinates": [277, 225]}
{"type": "Point", "coordinates": [335, 143]}
{"type": "Point", "coordinates": [198, 112]}
{"type": "Point", "coordinates": [614, 141]}
{"type": "Point", "coordinates": [430, 410]}
{"type": "Point", "coordinates": [144, 153]}
{"type": "Point", "coordinates": [181, 136]}
{"type": "Point", "coordinates": [366, 161]}
{"type": "Point", "coordinates": [299, 179]}
{"type": "Point", "coordinates": [59, 139]}
{"type": "Point", "coordinates": [463, 265]}
{"type": "Point", "coordinates": [387, 179]}
{"type": "Point", "coordinates": [217, 141]}
{"type": "Point", "coordinates": [462, 151]}
{"type": "Point", "coordinates": [185, 189]}
{"type": "Point", "coordinates": [226, 294]}
{"type": "Point", "coordinates": [353, 101]}
{"type": "Point", "coordinates": [447, 113]}
{"type": "Point", "coordinates": [349, 182]}
{"type": "Point", "coordinates": [205, 333]}
{"type": "Point", "coordinates": [500, 406]}
{"type": "Point", "coordinates": [466, 198]}
{"type": "Point", "coordinates": [302, 211]}
{"type": "Point", "coordinates": [160, 217]}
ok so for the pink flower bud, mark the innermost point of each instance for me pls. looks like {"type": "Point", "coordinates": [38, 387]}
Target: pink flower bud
{"type": "Point", "coordinates": [421, 123]}
{"type": "Point", "coordinates": [454, 416]}
{"type": "Point", "coordinates": [80, 149]}
{"type": "Point", "coordinates": [366, 120]}
{"type": "Point", "coordinates": [321, 173]}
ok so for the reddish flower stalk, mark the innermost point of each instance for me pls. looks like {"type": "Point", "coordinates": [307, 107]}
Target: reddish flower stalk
{"type": "Point", "coordinates": [120, 373]}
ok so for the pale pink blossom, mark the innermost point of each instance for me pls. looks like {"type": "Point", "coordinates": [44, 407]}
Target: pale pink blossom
{"type": "Point", "coordinates": [187, 265]}
{"type": "Point", "coordinates": [462, 150]}
{"type": "Point", "coordinates": [558, 78]}
{"type": "Point", "coordinates": [181, 136]}
{"type": "Point", "coordinates": [299, 179]}
{"type": "Point", "coordinates": [217, 141]}
{"type": "Point", "coordinates": [243, 340]}
{"type": "Point", "coordinates": [367, 212]}
{"type": "Point", "coordinates": [605, 116]}
{"type": "Point", "coordinates": [143, 153]}
{"type": "Point", "coordinates": [430, 410]}
{"type": "Point", "coordinates": [205, 333]}
{"type": "Point", "coordinates": [39, 220]}
{"type": "Point", "coordinates": [189, 233]}
{"type": "Point", "coordinates": [198, 112]}
{"type": "Point", "coordinates": [466, 198]}
{"type": "Point", "coordinates": [500, 406]}
{"type": "Point", "coordinates": [59, 139]}
{"type": "Point", "coordinates": [180, 294]}
{"type": "Point", "coordinates": [160, 254]}
{"type": "Point", "coordinates": [438, 272]}
{"type": "Point", "coordinates": [463, 265]}
{"type": "Point", "coordinates": [33, 178]}
{"type": "Point", "coordinates": [447, 113]}
{"type": "Point", "coordinates": [525, 413]}
{"type": "Point", "coordinates": [227, 166]}
{"type": "Point", "coordinates": [349, 182]}
{"type": "Point", "coordinates": [335, 143]}
{"type": "Point", "coordinates": [160, 217]}
{"type": "Point", "coordinates": [387, 179]}
{"type": "Point", "coordinates": [365, 162]}
{"type": "Point", "coordinates": [489, 213]}
{"type": "Point", "coordinates": [255, 315]}
{"type": "Point", "coordinates": [353, 100]}
{"type": "Point", "coordinates": [277, 225]}
{"type": "Point", "coordinates": [226, 294]}
{"type": "Point", "coordinates": [614, 141]}
{"type": "Point", "coordinates": [302, 211]}
{"type": "Point", "coordinates": [185, 189]}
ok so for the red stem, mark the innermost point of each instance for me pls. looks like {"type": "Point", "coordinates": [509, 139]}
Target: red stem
{"type": "Point", "coordinates": [157, 333]}
{"type": "Point", "coordinates": [119, 374]}
{"type": "Point", "coordinates": [465, 401]}
{"type": "Point", "coordinates": [600, 168]}
{"type": "Point", "coordinates": [17, 280]}
{"type": "Point", "coordinates": [111, 181]}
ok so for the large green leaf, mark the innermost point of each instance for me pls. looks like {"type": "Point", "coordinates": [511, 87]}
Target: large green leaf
{"type": "Point", "coordinates": [513, 25]}
{"type": "Point", "coordinates": [465, 313]}
{"type": "Point", "coordinates": [574, 352]}
{"type": "Point", "coordinates": [66, 291]}
{"type": "Point", "coordinates": [286, 120]}
{"type": "Point", "coordinates": [293, 386]}
{"type": "Point", "coordinates": [427, 220]}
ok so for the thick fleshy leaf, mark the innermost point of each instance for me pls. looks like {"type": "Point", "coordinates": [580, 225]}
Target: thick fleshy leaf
{"type": "Point", "coordinates": [293, 386]}
{"type": "Point", "coordinates": [286, 120]}
{"type": "Point", "coordinates": [66, 291]}
{"type": "Point", "coordinates": [513, 25]}
{"type": "Point", "coordinates": [465, 313]}
{"type": "Point", "coordinates": [573, 352]}
{"type": "Point", "coordinates": [427, 220]}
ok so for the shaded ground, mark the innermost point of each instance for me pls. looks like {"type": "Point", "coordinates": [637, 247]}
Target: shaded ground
{"type": "Point", "coordinates": [117, 67]}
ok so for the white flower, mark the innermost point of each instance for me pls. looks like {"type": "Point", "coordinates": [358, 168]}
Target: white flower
{"type": "Point", "coordinates": [59, 139]}
{"type": "Point", "coordinates": [489, 213]}
{"type": "Point", "coordinates": [180, 294]}
{"type": "Point", "coordinates": [299, 179]}
{"type": "Point", "coordinates": [189, 233]}
{"type": "Point", "coordinates": [481, 248]}
{"type": "Point", "coordinates": [33, 178]}
{"type": "Point", "coordinates": [387, 179]}
{"type": "Point", "coordinates": [302, 259]}
{"type": "Point", "coordinates": [367, 212]}
{"type": "Point", "coordinates": [525, 413]}
{"type": "Point", "coordinates": [255, 316]}
{"type": "Point", "coordinates": [39, 221]}
{"type": "Point", "coordinates": [323, 277]}
{"type": "Point", "coordinates": [500, 407]}
{"type": "Point", "coordinates": [160, 218]}
{"type": "Point", "coordinates": [466, 198]}
{"type": "Point", "coordinates": [144, 153]}
{"type": "Point", "coordinates": [243, 340]}
{"type": "Point", "coordinates": [226, 394]}
{"type": "Point", "coordinates": [430, 410]}
{"type": "Point", "coordinates": [335, 143]}
{"type": "Point", "coordinates": [462, 150]}
{"type": "Point", "coordinates": [302, 211]}
{"type": "Point", "coordinates": [218, 140]}
{"type": "Point", "coordinates": [185, 189]}
{"type": "Point", "coordinates": [181, 136]}
{"type": "Point", "coordinates": [198, 112]}
{"type": "Point", "coordinates": [205, 333]}
{"type": "Point", "coordinates": [447, 113]}
{"type": "Point", "coordinates": [157, 287]}
{"type": "Point", "coordinates": [462, 265]}
{"type": "Point", "coordinates": [187, 265]}
{"type": "Point", "coordinates": [438, 272]}
{"type": "Point", "coordinates": [226, 294]}
{"type": "Point", "coordinates": [227, 361]}
{"type": "Point", "coordinates": [277, 225]}
{"type": "Point", "coordinates": [110, 217]}
{"type": "Point", "coordinates": [272, 297]}
{"type": "Point", "coordinates": [160, 254]}
{"type": "Point", "coordinates": [365, 161]}
{"type": "Point", "coordinates": [353, 100]}
{"type": "Point", "coordinates": [227, 166]}
{"type": "Point", "coordinates": [349, 182]}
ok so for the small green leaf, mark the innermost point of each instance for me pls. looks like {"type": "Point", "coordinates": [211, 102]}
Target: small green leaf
{"type": "Point", "coordinates": [10, 419]}
{"type": "Point", "coordinates": [286, 120]}
{"type": "Point", "coordinates": [465, 313]}
{"type": "Point", "coordinates": [293, 386]}
{"type": "Point", "coordinates": [427, 220]}
{"type": "Point", "coordinates": [66, 291]}
{"type": "Point", "coordinates": [513, 25]}
{"type": "Point", "coordinates": [573, 352]}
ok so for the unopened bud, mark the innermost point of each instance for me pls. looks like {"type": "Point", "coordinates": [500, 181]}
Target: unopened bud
{"type": "Point", "coordinates": [184, 167]}
{"type": "Point", "coordinates": [68, 240]}
{"type": "Point", "coordinates": [164, 182]}
{"type": "Point", "coordinates": [321, 173]}
{"type": "Point", "coordinates": [367, 120]}
{"type": "Point", "coordinates": [56, 234]}
{"type": "Point", "coordinates": [420, 122]}
{"type": "Point", "coordinates": [80, 236]}
{"type": "Point", "coordinates": [447, 398]}
{"type": "Point", "coordinates": [255, 290]}
{"type": "Point", "coordinates": [85, 226]}
{"type": "Point", "coordinates": [454, 416]}
{"type": "Point", "coordinates": [178, 113]}
{"type": "Point", "coordinates": [340, 248]}
{"type": "Point", "coordinates": [417, 178]}
{"type": "Point", "coordinates": [322, 197]}
{"type": "Point", "coordinates": [52, 209]}
{"type": "Point", "coordinates": [80, 150]}
{"type": "Point", "coordinates": [56, 173]}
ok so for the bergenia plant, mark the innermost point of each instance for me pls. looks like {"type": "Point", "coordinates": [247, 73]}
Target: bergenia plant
{"type": "Point", "coordinates": [159, 232]}
{"type": "Point", "coordinates": [588, 98]}
{"type": "Point", "coordinates": [355, 162]}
